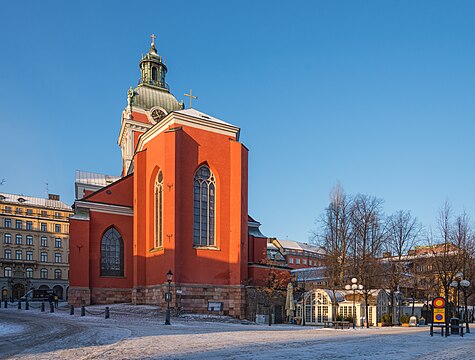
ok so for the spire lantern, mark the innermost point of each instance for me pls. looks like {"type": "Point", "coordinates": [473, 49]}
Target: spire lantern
{"type": "Point", "coordinates": [153, 68]}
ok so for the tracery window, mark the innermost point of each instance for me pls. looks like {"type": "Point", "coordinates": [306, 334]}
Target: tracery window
{"type": "Point", "coordinates": [204, 207]}
{"type": "Point", "coordinates": [158, 210]}
{"type": "Point", "coordinates": [112, 253]}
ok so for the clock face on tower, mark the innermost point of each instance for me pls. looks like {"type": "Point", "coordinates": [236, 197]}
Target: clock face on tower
{"type": "Point", "coordinates": [158, 114]}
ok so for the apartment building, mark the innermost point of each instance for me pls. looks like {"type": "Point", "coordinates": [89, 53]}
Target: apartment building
{"type": "Point", "coordinates": [34, 245]}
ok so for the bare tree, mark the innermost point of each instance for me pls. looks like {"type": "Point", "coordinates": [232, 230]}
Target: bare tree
{"type": "Point", "coordinates": [367, 240]}
{"type": "Point", "coordinates": [464, 240]}
{"type": "Point", "coordinates": [334, 239]}
{"type": "Point", "coordinates": [402, 234]}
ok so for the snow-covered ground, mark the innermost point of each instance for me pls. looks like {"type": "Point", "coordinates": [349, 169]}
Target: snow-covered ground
{"type": "Point", "coordinates": [137, 332]}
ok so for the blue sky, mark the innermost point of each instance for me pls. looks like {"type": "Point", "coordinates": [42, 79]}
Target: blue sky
{"type": "Point", "coordinates": [376, 95]}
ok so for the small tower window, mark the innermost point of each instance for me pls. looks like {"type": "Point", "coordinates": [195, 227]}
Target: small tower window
{"type": "Point", "coordinates": [154, 74]}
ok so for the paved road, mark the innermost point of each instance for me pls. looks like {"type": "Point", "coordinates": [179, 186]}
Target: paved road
{"type": "Point", "coordinates": [60, 336]}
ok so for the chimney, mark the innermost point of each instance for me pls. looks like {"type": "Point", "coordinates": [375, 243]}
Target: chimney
{"type": "Point", "coordinates": [53, 197]}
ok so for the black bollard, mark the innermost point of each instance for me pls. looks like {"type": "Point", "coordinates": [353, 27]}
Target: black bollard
{"type": "Point", "coordinates": [107, 312]}
{"type": "Point", "coordinates": [51, 308]}
{"type": "Point", "coordinates": [42, 306]}
{"type": "Point", "coordinates": [19, 305]}
{"type": "Point", "coordinates": [83, 310]}
{"type": "Point", "coordinates": [27, 305]}
{"type": "Point", "coordinates": [71, 310]}
{"type": "Point", "coordinates": [5, 304]}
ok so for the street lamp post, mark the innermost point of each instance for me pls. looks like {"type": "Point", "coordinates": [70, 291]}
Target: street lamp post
{"type": "Point", "coordinates": [168, 297]}
{"type": "Point", "coordinates": [353, 287]}
{"type": "Point", "coordinates": [460, 282]}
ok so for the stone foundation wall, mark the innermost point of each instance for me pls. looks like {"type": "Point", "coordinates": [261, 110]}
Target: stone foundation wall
{"type": "Point", "coordinates": [188, 297]}
{"type": "Point", "coordinates": [79, 296]}
{"type": "Point", "coordinates": [110, 296]}
{"type": "Point", "coordinates": [194, 298]}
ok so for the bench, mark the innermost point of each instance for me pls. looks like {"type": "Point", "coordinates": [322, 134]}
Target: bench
{"type": "Point", "coordinates": [336, 324]}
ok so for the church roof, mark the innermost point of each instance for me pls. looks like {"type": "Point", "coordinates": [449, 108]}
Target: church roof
{"type": "Point", "coordinates": [198, 114]}
{"type": "Point", "coordinates": [147, 97]}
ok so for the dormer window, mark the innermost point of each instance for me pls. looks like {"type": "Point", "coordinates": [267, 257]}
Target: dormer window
{"type": "Point", "coordinates": [21, 200]}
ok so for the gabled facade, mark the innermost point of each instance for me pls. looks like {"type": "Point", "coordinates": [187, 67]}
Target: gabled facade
{"type": "Point", "coordinates": [181, 204]}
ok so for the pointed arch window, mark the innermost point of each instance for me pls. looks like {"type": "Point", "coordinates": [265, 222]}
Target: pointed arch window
{"type": "Point", "coordinates": [204, 194]}
{"type": "Point", "coordinates": [158, 210]}
{"type": "Point", "coordinates": [112, 253]}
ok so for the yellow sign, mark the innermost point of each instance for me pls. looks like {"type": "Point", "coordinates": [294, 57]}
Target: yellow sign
{"type": "Point", "coordinates": [439, 315]}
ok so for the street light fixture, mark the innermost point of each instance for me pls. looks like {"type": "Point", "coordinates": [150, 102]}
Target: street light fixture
{"type": "Point", "coordinates": [354, 286]}
{"type": "Point", "coordinates": [168, 297]}
{"type": "Point", "coordinates": [460, 283]}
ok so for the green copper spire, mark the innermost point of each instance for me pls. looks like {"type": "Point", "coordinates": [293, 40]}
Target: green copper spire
{"type": "Point", "coordinates": [153, 68]}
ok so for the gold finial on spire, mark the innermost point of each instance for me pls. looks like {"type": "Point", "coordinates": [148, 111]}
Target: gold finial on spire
{"type": "Point", "coordinates": [191, 96]}
{"type": "Point", "coordinates": [153, 39]}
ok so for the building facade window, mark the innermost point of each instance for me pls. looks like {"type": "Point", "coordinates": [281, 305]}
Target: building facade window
{"type": "Point", "coordinates": [44, 241]}
{"type": "Point", "coordinates": [291, 260]}
{"type": "Point", "coordinates": [44, 257]}
{"type": "Point", "coordinates": [29, 255]}
{"type": "Point", "coordinates": [29, 273]}
{"type": "Point", "coordinates": [19, 210]}
{"type": "Point", "coordinates": [58, 274]}
{"type": "Point", "coordinates": [297, 261]}
{"type": "Point", "coordinates": [44, 273]}
{"type": "Point", "coordinates": [18, 239]}
{"type": "Point", "coordinates": [44, 213]}
{"type": "Point", "coordinates": [7, 223]}
{"type": "Point", "coordinates": [158, 208]}
{"type": "Point", "coordinates": [57, 215]}
{"type": "Point", "coordinates": [18, 224]}
{"type": "Point", "coordinates": [57, 242]}
{"type": "Point", "coordinates": [8, 209]}
{"type": "Point", "coordinates": [57, 228]}
{"type": "Point", "coordinates": [29, 240]}
{"type": "Point", "coordinates": [204, 189]}
{"type": "Point", "coordinates": [29, 212]}
{"type": "Point", "coordinates": [7, 254]}
{"type": "Point", "coordinates": [44, 227]}
{"type": "Point", "coordinates": [7, 238]}
{"type": "Point", "coordinates": [112, 253]}
{"type": "Point", "coordinates": [18, 255]}
{"type": "Point", "coordinates": [29, 225]}
{"type": "Point", "coordinates": [57, 257]}
{"type": "Point", "coordinates": [7, 272]}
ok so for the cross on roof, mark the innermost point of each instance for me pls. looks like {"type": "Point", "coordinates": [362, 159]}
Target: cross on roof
{"type": "Point", "coordinates": [153, 38]}
{"type": "Point", "coordinates": [191, 96]}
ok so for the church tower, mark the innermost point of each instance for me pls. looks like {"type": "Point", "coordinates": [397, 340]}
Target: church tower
{"type": "Point", "coordinates": [147, 103]}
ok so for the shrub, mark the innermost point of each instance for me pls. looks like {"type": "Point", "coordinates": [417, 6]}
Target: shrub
{"type": "Point", "coordinates": [386, 319]}
{"type": "Point", "coordinates": [405, 318]}
{"type": "Point", "coordinates": [349, 318]}
{"type": "Point", "coordinates": [339, 317]}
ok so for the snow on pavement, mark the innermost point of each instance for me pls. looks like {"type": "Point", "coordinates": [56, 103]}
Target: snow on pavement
{"type": "Point", "coordinates": [141, 336]}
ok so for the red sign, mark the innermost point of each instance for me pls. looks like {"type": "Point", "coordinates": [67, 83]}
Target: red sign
{"type": "Point", "coordinates": [438, 302]}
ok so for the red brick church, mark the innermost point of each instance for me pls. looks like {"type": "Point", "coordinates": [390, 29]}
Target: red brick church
{"type": "Point", "coordinates": [181, 204]}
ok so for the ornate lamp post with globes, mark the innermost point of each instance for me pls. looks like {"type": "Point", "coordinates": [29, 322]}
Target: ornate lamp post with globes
{"type": "Point", "coordinates": [354, 286]}
{"type": "Point", "coordinates": [460, 282]}
{"type": "Point", "coordinates": [168, 297]}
